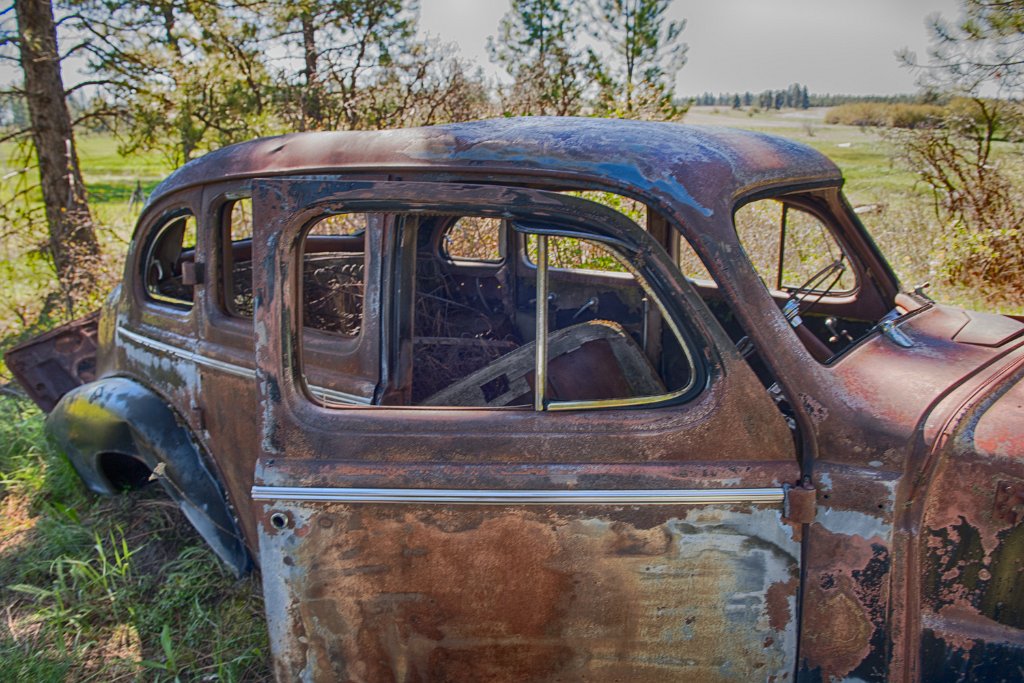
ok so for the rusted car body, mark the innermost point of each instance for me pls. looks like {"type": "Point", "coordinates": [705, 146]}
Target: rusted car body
{"type": "Point", "coordinates": [564, 456]}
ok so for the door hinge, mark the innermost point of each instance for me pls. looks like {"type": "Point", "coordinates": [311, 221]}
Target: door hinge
{"type": "Point", "coordinates": [800, 503]}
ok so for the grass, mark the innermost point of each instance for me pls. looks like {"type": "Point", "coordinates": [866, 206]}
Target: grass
{"type": "Point", "coordinates": [106, 589]}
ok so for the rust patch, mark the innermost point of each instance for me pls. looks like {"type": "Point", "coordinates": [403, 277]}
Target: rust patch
{"type": "Point", "coordinates": [839, 628]}
{"type": "Point", "coordinates": [814, 408]}
{"type": "Point", "coordinates": [845, 604]}
{"type": "Point", "coordinates": [50, 365]}
{"type": "Point", "coordinates": [1009, 505]}
{"type": "Point", "coordinates": [539, 594]}
{"type": "Point", "coordinates": [777, 603]}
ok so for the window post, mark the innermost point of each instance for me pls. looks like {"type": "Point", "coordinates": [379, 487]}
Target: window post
{"type": "Point", "coordinates": [541, 338]}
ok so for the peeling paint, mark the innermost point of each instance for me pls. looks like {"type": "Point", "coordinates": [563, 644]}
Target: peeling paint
{"type": "Point", "coordinates": [851, 523]}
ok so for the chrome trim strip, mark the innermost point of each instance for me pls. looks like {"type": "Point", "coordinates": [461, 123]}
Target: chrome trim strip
{"type": "Point", "coordinates": [333, 396]}
{"type": "Point", "coordinates": [540, 372]}
{"type": "Point", "coordinates": [322, 393]}
{"type": "Point", "coordinates": [184, 354]}
{"type": "Point", "coordinates": [525, 497]}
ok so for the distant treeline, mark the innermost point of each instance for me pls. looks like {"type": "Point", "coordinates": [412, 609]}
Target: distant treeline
{"type": "Point", "coordinates": [796, 96]}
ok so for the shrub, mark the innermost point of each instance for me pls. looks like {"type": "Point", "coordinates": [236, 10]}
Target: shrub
{"type": "Point", "coordinates": [881, 114]}
{"type": "Point", "coordinates": [978, 196]}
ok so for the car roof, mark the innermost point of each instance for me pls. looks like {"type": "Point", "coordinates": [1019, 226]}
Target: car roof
{"type": "Point", "coordinates": [703, 167]}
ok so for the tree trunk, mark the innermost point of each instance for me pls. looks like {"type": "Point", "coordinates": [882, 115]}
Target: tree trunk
{"type": "Point", "coordinates": [73, 242]}
{"type": "Point", "coordinates": [312, 112]}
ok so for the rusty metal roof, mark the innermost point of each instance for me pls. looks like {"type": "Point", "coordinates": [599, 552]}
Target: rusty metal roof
{"type": "Point", "coordinates": [700, 166]}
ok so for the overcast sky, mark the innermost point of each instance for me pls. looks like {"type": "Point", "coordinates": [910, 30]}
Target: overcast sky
{"type": "Point", "coordinates": [837, 46]}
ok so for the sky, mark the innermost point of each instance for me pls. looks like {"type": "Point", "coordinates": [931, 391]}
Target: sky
{"type": "Point", "coordinates": [831, 46]}
{"type": "Point", "coordinates": [836, 46]}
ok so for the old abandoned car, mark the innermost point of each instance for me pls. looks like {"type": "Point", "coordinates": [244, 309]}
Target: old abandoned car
{"type": "Point", "coordinates": [559, 399]}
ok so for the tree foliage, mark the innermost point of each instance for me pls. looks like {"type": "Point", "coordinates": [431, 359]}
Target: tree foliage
{"type": "Point", "coordinates": [186, 76]}
{"type": "Point", "coordinates": [348, 47]}
{"type": "Point", "coordinates": [538, 46]}
{"type": "Point", "coordinates": [976, 190]}
{"type": "Point", "coordinates": [982, 53]}
{"type": "Point", "coordinates": [646, 53]}
{"type": "Point", "coordinates": [180, 76]}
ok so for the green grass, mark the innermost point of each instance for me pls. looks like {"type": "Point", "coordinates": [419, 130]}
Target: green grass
{"type": "Point", "coordinates": [104, 589]}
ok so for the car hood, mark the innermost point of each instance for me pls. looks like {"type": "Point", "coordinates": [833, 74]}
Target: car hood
{"type": "Point", "coordinates": [955, 357]}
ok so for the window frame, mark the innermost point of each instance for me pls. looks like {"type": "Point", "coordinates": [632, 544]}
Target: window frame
{"type": "Point", "coordinates": [328, 336]}
{"type": "Point", "coordinates": [542, 269]}
{"type": "Point", "coordinates": [225, 247]}
{"type": "Point", "coordinates": [471, 263]}
{"type": "Point", "coordinates": [576, 217]}
{"type": "Point", "coordinates": [164, 222]}
{"type": "Point", "coordinates": [806, 204]}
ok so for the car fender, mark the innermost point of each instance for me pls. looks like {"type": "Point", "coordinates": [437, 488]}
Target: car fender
{"type": "Point", "coordinates": [121, 418]}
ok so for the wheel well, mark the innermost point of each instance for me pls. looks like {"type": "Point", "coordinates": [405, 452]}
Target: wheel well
{"type": "Point", "coordinates": [124, 472]}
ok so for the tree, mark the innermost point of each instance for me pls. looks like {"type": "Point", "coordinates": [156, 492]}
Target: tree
{"type": "Point", "coordinates": [536, 44]}
{"type": "Point", "coordinates": [977, 193]}
{"type": "Point", "coordinates": [72, 244]}
{"type": "Point", "coordinates": [180, 76]}
{"type": "Point", "coordinates": [646, 54]}
{"type": "Point", "coordinates": [983, 52]}
{"type": "Point", "coordinates": [425, 85]}
{"type": "Point", "coordinates": [346, 45]}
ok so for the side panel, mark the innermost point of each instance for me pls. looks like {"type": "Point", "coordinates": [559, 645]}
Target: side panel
{"type": "Point", "coordinates": [619, 544]}
{"type": "Point", "coordinates": [971, 552]}
{"type": "Point", "coordinates": [368, 591]}
{"type": "Point", "coordinates": [50, 365]}
{"type": "Point", "coordinates": [849, 561]}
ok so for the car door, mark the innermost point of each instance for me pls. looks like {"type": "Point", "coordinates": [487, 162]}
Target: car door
{"type": "Point", "coordinates": [580, 505]}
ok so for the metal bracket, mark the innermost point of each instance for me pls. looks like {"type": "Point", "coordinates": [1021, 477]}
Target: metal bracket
{"type": "Point", "coordinates": [800, 503]}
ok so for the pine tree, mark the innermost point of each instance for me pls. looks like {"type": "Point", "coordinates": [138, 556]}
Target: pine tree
{"type": "Point", "coordinates": [536, 44]}
{"type": "Point", "coordinates": [646, 55]}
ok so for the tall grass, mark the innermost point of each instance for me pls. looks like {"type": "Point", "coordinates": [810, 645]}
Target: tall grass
{"type": "Point", "coordinates": [896, 115]}
{"type": "Point", "coordinates": [106, 589]}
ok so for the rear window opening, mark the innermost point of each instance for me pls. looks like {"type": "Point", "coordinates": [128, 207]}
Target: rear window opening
{"type": "Point", "coordinates": [170, 252]}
